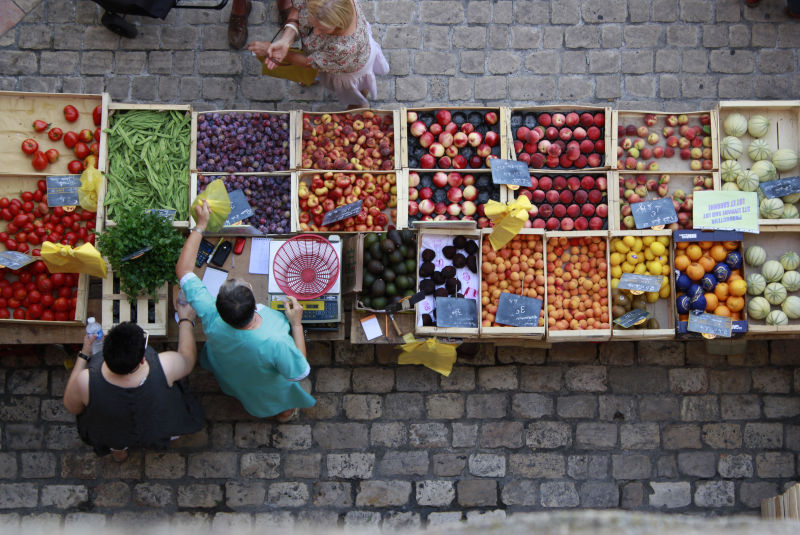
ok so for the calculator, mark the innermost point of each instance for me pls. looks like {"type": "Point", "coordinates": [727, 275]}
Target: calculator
{"type": "Point", "coordinates": [202, 254]}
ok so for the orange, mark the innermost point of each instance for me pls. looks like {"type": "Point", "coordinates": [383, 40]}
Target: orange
{"type": "Point", "coordinates": [736, 316]}
{"type": "Point", "coordinates": [721, 291]}
{"type": "Point", "coordinates": [695, 271]}
{"type": "Point", "coordinates": [705, 245]}
{"type": "Point", "coordinates": [734, 276]}
{"type": "Point", "coordinates": [683, 317]}
{"type": "Point", "coordinates": [694, 252]}
{"type": "Point", "coordinates": [682, 262]}
{"type": "Point", "coordinates": [738, 288]}
{"type": "Point", "coordinates": [723, 310]}
{"type": "Point", "coordinates": [718, 253]}
{"type": "Point", "coordinates": [735, 303]}
{"type": "Point", "coordinates": [731, 245]}
{"type": "Point", "coordinates": [707, 262]}
{"type": "Point", "coordinates": [681, 244]}
{"type": "Point", "coordinates": [711, 302]}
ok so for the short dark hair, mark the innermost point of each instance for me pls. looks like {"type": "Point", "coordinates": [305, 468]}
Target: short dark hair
{"type": "Point", "coordinates": [236, 303]}
{"type": "Point", "coordinates": [123, 347]}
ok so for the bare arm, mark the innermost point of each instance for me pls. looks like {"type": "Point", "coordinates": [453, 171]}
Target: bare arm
{"type": "Point", "coordinates": [189, 252]}
{"type": "Point", "coordinates": [76, 393]}
{"type": "Point", "coordinates": [294, 313]}
{"type": "Point", "coordinates": [178, 364]}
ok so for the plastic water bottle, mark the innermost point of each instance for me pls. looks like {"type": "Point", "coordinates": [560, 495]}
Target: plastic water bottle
{"type": "Point", "coordinates": [92, 327]}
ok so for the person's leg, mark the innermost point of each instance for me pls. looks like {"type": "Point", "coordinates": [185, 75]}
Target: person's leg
{"type": "Point", "coordinates": [286, 416]}
{"type": "Point", "coordinates": [120, 456]}
{"type": "Point", "coordinates": [752, 3]}
{"type": "Point", "coordinates": [283, 9]}
{"type": "Point", "coordinates": [237, 24]}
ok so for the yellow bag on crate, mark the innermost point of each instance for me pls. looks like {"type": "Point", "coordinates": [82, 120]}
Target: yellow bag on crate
{"type": "Point", "coordinates": [218, 201]}
{"type": "Point", "coordinates": [82, 259]}
{"type": "Point", "coordinates": [91, 180]}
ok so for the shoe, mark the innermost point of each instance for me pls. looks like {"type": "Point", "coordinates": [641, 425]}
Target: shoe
{"type": "Point", "coordinates": [752, 3]}
{"type": "Point", "coordinates": [281, 419]}
{"type": "Point", "coordinates": [791, 14]}
{"type": "Point", "coordinates": [237, 25]}
{"type": "Point", "coordinates": [119, 456]}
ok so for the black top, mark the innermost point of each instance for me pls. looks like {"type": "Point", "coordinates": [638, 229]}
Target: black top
{"type": "Point", "coordinates": [146, 416]}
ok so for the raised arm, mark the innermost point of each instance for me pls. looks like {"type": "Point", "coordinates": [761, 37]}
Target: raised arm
{"type": "Point", "coordinates": [76, 393]}
{"type": "Point", "coordinates": [192, 245]}
{"type": "Point", "coordinates": [178, 364]}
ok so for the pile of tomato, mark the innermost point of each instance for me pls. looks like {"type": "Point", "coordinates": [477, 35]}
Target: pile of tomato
{"type": "Point", "coordinates": [32, 292]}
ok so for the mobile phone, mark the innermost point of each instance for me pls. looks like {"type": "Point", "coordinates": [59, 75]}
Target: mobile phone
{"type": "Point", "coordinates": [202, 253]}
{"type": "Point", "coordinates": [238, 247]}
{"type": "Point", "coordinates": [222, 253]}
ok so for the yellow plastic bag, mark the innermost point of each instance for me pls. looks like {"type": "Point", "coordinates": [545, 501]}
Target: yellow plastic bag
{"type": "Point", "coordinates": [91, 180]}
{"type": "Point", "coordinates": [295, 73]}
{"type": "Point", "coordinates": [64, 259]}
{"type": "Point", "coordinates": [431, 353]}
{"type": "Point", "coordinates": [508, 219]}
{"type": "Point", "coordinates": [218, 202]}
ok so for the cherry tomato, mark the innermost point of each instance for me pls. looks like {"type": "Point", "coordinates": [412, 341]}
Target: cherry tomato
{"type": "Point", "coordinates": [55, 134]}
{"type": "Point", "coordinates": [23, 248]}
{"type": "Point", "coordinates": [71, 237]}
{"type": "Point", "coordinates": [39, 161]}
{"type": "Point", "coordinates": [12, 228]}
{"type": "Point", "coordinates": [25, 277]}
{"type": "Point", "coordinates": [38, 267]}
{"type": "Point", "coordinates": [54, 237]}
{"type": "Point", "coordinates": [20, 294]}
{"type": "Point", "coordinates": [70, 139]}
{"type": "Point", "coordinates": [4, 315]}
{"type": "Point", "coordinates": [11, 245]}
{"type": "Point", "coordinates": [83, 233]}
{"type": "Point", "coordinates": [41, 185]}
{"type": "Point", "coordinates": [76, 226]}
{"type": "Point", "coordinates": [97, 134]}
{"type": "Point", "coordinates": [90, 238]}
{"type": "Point", "coordinates": [94, 148]}
{"type": "Point", "coordinates": [71, 113]}
{"type": "Point", "coordinates": [3, 303]}
{"type": "Point", "coordinates": [30, 287]}
{"type": "Point", "coordinates": [21, 219]}
{"type": "Point", "coordinates": [33, 239]}
{"type": "Point", "coordinates": [66, 221]}
{"type": "Point", "coordinates": [90, 224]}
{"type": "Point", "coordinates": [21, 237]}
{"type": "Point", "coordinates": [38, 195]}
{"type": "Point", "coordinates": [75, 167]}
{"type": "Point", "coordinates": [3, 237]}
{"type": "Point", "coordinates": [64, 291]}
{"type": "Point", "coordinates": [47, 315]}
{"type": "Point", "coordinates": [7, 292]}
{"type": "Point", "coordinates": [58, 211]}
{"type": "Point", "coordinates": [36, 252]}
{"type": "Point", "coordinates": [29, 146]}
{"type": "Point", "coordinates": [34, 296]}
{"type": "Point", "coordinates": [5, 213]}
{"type": "Point", "coordinates": [27, 206]}
{"type": "Point", "coordinates": [40, 126]}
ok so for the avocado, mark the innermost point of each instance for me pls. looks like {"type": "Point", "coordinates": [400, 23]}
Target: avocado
{"type": "Point", "coordinates": [391, 289]}
{"type": "Point", "coordinates": [402, 282]}
{"type": "Point", "coordinates": [378, 288]}
{"type": "Point", "coordinates": [411, 251]}
{"type": "Point", "coordinates": [472, 262]}
{"type": "Point", "coordinates": [452, 286]}
{"type": "Point", "coordinates": [375, 251]}
{"type": "Point", "coordinates": [395, 236]}
{"type": "Point", "coordinates": [375, 267]}
{"type": "Point", "coordinates": [471, 247]}
{"type": "Point", "coordinates": [448, 272]}
{"type": "Point", "coordinates": [411, 265]}
{"type": "Point", "coordinates": [426, 269]}
{"type": "Point", "coordinates": [396, 257]}
{"type": "Point", "coordinates": [369, 278]}
{"type": "Point", "coordinates": [400, 268]}
{"type": "Point", "coordinates": [437, 278]}
{"type": "Point", "coordinates": [449, 251]}
{"type": "Point", "coordinates": [379, 303]}
{"type": "Point", "coordinates": [388, 275]}
{"type": "Point", "coordinates": [369, 239]}
{"type": "Point", "coordinates": [440, 292]}
{"type": "Point", "coordinates": [403, 250]}
{"type": "Point", "coordinates": [459, 242]}
{"type": "Point", "coordinates": [459, 261]}
{"type": "Point", "coordinates": [387, 246]}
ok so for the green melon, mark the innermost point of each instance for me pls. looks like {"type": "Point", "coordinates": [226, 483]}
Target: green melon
{"type": "Point", "coordinates": [765, 170]}
{"type": "Point", "coordinates": [758, 308]}
{"type": "Point", "coordinates": [730, 148]}
{"type": "Point", "coordinates": [735, 124]}
{"type": "Point", "coordinates": [775, 293]}
{"type": "Point", "coordinates": [792, 198]}
{"type": "Point", "coordinates": [791, 281]}
{"type": "Point", "coordinates": [729, 170]}
{"type": "Point", "coordinates": [791, 307]}
{"type": "Point", "coordinates": [755, 255]}
{"type": "Point", "coordinates": [730, 186]}
{"type": "Point", "coordinates": [758, 126]}
{"type": "Point", "coordinates": [790, 212]}
{"type": "Point", "coordinates": [759, 150]}
{"type": "Point", "coordinates": [772, 270]}
{"type": "Point", "coordinates": [784, 159]}
{"type": "Point", "coordinates": [756, 283]}
{"type": "Point", "coordinates": [747, 180]}
{"type": "Point", "coordinates": [771, 208]}
{"type": "Point", "coordinates": [790, 260]}
{"type": "Point", "coordinates": [777, 317]}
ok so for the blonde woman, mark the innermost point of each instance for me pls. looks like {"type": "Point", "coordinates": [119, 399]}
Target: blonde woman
{"type": "Point", "coordinates": [337, 41]}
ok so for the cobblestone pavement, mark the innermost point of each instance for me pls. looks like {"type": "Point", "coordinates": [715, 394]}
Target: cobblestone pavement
{"type": "Point", "coordinates": [653, 426]}
{"type": "Point", "coordinates": [652, 54]}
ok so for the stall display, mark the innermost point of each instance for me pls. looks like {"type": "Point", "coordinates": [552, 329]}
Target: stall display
{"type": "Point", "coordinates": [386, 268]}
{"type": "Point", "coordinates": [451, 196]}
{"type": "Point", "coordinates": [267, 195]}
{"type": "Point", "coordinates": [574, 138]}
{"type": "Point", "coordinates": [452, 138]}
{"type": "Point", "coordinates": [568, 202]}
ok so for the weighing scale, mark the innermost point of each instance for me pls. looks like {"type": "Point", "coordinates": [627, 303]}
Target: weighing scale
{"type": "Point", "coordinates": [324, 309]}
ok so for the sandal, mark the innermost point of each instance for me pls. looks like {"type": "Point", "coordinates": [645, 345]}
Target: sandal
{"type": "Point", "coordinates": [285, 419]}
{"type": "Point", "coordinates": [119, 456]}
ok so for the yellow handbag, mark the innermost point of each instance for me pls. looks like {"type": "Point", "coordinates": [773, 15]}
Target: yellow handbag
{"type": "Point", "coordinates": [302, 75]}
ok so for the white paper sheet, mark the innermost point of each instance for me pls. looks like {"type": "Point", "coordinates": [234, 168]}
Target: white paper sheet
{"type": "Point", "coordinates": [372, 329]}
{"type": "Point", "coordinates": [259, 256]}
{"type": "Point", "coordinates": [213, 279]}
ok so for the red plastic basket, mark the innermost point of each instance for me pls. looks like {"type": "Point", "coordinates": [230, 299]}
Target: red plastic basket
{"type": "Point", "coordinates": [306, 266]}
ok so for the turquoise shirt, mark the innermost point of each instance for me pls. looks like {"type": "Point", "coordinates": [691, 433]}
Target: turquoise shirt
{"type": "Point", "coordinates": [259, 367]}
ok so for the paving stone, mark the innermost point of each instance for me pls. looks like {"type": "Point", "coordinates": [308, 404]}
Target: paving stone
{"type": "Point", "coordinates": [697, 463]}
{"type": "Point", "coordinates": [548, 435]}
{"type": "Point", "coordinates": [595, 435]}
{"type": "Point", "coordinates": [781, 406]}
{"type": "Point", "coordinates": [401, 520]}
{"type": "Point", "coordinates": [599, 494]}
{"type": "Point", "coordinates": [498, 378]}
{"type": "Point", "coordinates": [740, 407]}
{"type": "Point", "coordinates": [153, 495]}
{"type": "Point", "coordinates": [670, 495]}
{"type": "Point", "coordinates": [449, 464]}
{"type": "Point", "coordinates": [350, 465]}
{"type": "Point", "coordinates": [501, 435]}
{"type": "Point", "coordinates": [332, 436]}
{"type": "Point", "coordinates": [361, 407]}
{"type": "Point", "coordinates": [445, 406]}
{"type": "Point", "coordinates": [303, 465]}
{"type": "Point", "coordinates": [112, 494]}
{"type": "Point", "coordinates": [23, 436]}
{"type": "Point", "coordinates": [252, 434]}
{"type": "Point", "coordinates": [332, 380]}
{"type": "Point", "coordinates": [613, 408]}
{"type": "Point", "coordinates": [537, 465]}
{"type": "Point", "coordinates": [383, 493]}
{"type": "Point", "coordinates": [246, 493]}
{"type": "Point", "coordinates": [763, 435]}
{"type": "Point", "coordinates": [632, 495]}
{"type": "Point", "coordinates": [681, 436]}
{"type": "Point", "coordinates": [751, 493]}
{"type": "Point", "coordinates": [573, 62]}
{"type": "Point", "coordinates": [332, 493]}
{"type": "Point", "coordinates": [688, 380]}
{"type": "Point", "coordinates": [490, 88]}
{"type": "Point", "coordinates": [639, 436]}
{"type": "Point", "coordinates": [200, 495]}
{"type": "Point", "coordinates": [667, 60]}
{"type": "Point", "coordinates": [287, 494]}
{"type": "Point", "coordinates": [37, 464]}
{"type": "Point", "coordinates": [476, 492]}
{"type": "Point", "coordinates": [260, 465]}
{"type": "Point", "coordinates": [487, 465]}
{"type": "Point", "coordinates": [735, 466]}
{"type": "Point", "coordinates": [639, 380]}
{"type": "Point", "coordinates": [20, 408]}
{"type": "Point", "coordinates": [572, 352]}
{"type": "Point", "coordinates": [618, 353]}
{"type": "Point", "coordinates": [699, 408]}
{"type": "Point", "coordinates": [729, 381]}
{"type": "Point", "coordinates": [520, 492]}
{"type": "Point", "coordinates": [714, 494]}
{"type": "Point", "coordinates": [428, 435]}
{"type": "Point", "coordinates": [216, 464]}
{"type": "Point", "coordinates": [604, 61]}
{"type": "Point", "coordinates": [588, 466]}
{"type": "Point", "coordinates": [531, 406]}
{"type": "Point", "coordinates": [404, 463]}
{"type": "Point", "coordinates": [576, 406]}
{"type": "Point", "coordinates": [436, 493]}
{"type": "Point", "coordinates": [771, 380]}
{"type": "Point", "coordinates": [462, 378]}
{"type": "Point", "coordinates": [373, 380]}
{"type": "Point", "coordinates": [391, 435]}
{"type": "Point", "coordinates": [774, 464]}
{"type": "Point", "coordinates": [586, 378]}
{"type": "Point", "coordinates": [722, 436]}
{"type": "Point", "coordinates": [63, 496]}
{"type": "Point", "coordinates": [559, 494]}
{"type": "Point", "coordinates": [631, 467]}
{"type": "Point", "coordinates": [164, 465]}
{"type": "Point", "coordinates": [667, 466]}
{"type": "Point", "coordinates": [487, 406]}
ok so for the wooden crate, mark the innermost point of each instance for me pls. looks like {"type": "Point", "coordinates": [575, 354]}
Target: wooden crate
{"type": "Point", "coordinates": [291, 152]}
{"type": "Point", "coordinates": [739, 327]}
{"type": "Point", "coordinates": [21, 109]}
{"type": "Point", "coordinates": [104, 158]}
{"type": "Point", "coordinates": [784, 133]}
{"type": "Point", "coordinates": [663, 309]}
{"type": "Point", "coordinates": [499, 150]}
{"type": "Point", "coordinates": [403, 208]}
{"type": "Point", "coordinates": [509, 332]}
{"type": "Point", "coordinates": [12, 186]}
{"type": "Point", "coordinates": [775, 240]}
{"type": "Point", "coordinates": [306, 176]}
{"type": "Point", "coordinates": [114, 297]}
{"type": "Point", "coordinates": [678, 181]}
{"type": "Point", "coordinates": [242, 228]}
{"type": "Point", "coordinates": [608, 194]}
{"type": "Point", "coordinates": [438, 238]}
{"type": "Point", "coordinates": [665, 165]}
{"type": "Point", "coordinates": [587, 335]}
{"type": "Point", "coordinates": [299, 127]}
{"type": "Point", "coordinates": [510, 134]}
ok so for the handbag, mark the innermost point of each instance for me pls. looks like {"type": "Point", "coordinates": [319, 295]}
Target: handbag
{"type": "Point", "coordinates": [302, 75]}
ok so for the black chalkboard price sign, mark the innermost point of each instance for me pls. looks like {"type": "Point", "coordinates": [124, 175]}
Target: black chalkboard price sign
{"type": "Point", "coordinates": [63, 190]}
{"type": "Point", "coordinates": [342, 212]}
{"type": "Point", "coordinates": [510, 172]}
{"type": "Point", "coordinates": [456, 312]}
{"type": "Point", "coordinates": [648, 214]}
{"type": "Point", "coordinates": [240, 208]}
{"type": "Point", "coordinates": [518, 310]}
{"type": "Point", "coordinates": [781, 187]}
{"type": "Point", "coordinates": [642, 283]}
{"type": "Point", "coordinates": [710, 324]}
{"type": "Point", "coordinates": [634, 317]}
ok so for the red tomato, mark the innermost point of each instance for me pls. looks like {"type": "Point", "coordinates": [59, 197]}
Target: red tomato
{"type": "Point", "coordinates": [5, 213]}
{"type": "Point", "coordinates": [12, 228]}
{"type": "Point", "coordinates": [71, 113]}
{"type": "Point", "coordinates": [39, 161]}
{"type": "Point", "coordinates": [55, 134]}
{"type": "Point", "coordinates": [75, 167]}
{"type": "Point", "coordinates": [52, 155]}
{"type": "Point", "coordinates": [44, 284]}
{"type": "Point", "coordinates": [47, 300]}
{"type": "Point", "coordinates": [21, 237]}
{"type": "Point", "coordinates": [61, 304]}
{"type": "Point", "coordinates": [58, 280]}
{"type": "Point", "coordinates": [11, 245]}
{"type": "Point", "coordinates": [70, 139]}
{"type": "Point", "coordinates": [20, 294]}
{"type": "Point", "coordinates": [4, 315]}
{"type": "Point", "coordinates": [64, 291]}
{"type": "Point", "coordinates": [34, 296]}
{"type": "Point", "coordinates": [81, 150]}
{"type": "Point", "coordinates": [62, 316]}
{"type": "Point", "coordinates": [34, 311]}
{"type": "Point", "coordinates": [33, 239]}
{"type": "Point", "coordinates": [4, 202]}
{"type": "Point", "coordinates": [13, 302]}
{"type": "Point", "coordinates": [97, 134]}
{"type": "Point", "coordinates": [25, 277]}
{"type": "Point", "coordinates": [3, 236]}
{"type": "Point", "coordinates": [27, 206]}
{"type": "Point", "coordinates": [23, 248]}
{"type": "Point", "coordinates": [90, 239]}
{"type": "Point", "coordinates": [7, 292]}
{"type": "Point", "coordinates": [36, 252]}
{"type": "Point", "coordinates": [39, 267]}
{"type": "Point", "coordinates": [85, 135]}
{"type": "Point", "coordinates": [66, 221]}
{"type": "Point", "coordinates": [30, 287]}
{"type": "Point", "coordinates": [29, 146]}
{"type": "Point", "coordinates": [44, 209]}
{"type": "Point", "coordinates": [40, 126]}
{"type": "Point", "coordinates": [94, 148]}
{"type": "Point", "coordinates": [97, 114]}
{"type": "Point", "coordinates": [3, 303]}
{"type": "Point", "coordinates": [75, 226]}
{"type": "Point", "coordinates": [21, 219]}
{"type": "Point", "coordinates": [26, 196]}
{"type": "Point", "coordinates": [41, 185]}
{"type": "Point", "coordinates": [53, 237]}
{"type": "Point", "coordinates": [47, 315]}
{"type": "Point", "coordinates": [83, 233]}
{"type": "Point", "coordinates": [41, 232]}
{"type": "Point", "coordinates": [71, 237]}
{"type": "Point", "coordinates": [19, 314]}
{"type": "Point", "coordinates": [90, 224]}
{"type": "Point", "coordinates": [38, 196]}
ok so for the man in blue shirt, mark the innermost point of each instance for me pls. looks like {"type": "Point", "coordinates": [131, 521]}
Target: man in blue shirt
{"type": "Point", "coordinates": [257, 354]}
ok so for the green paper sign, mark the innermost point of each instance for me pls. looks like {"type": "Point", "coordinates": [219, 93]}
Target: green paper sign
{"type": "Point", "coordinates": [726, 210]}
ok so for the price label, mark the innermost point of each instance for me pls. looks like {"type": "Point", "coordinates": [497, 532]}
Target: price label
{"type": "Point", "coordinates": [641, 283]}
{"type": "Point", "coordinates": [710, 324]}
{"type": "Point", "coordinates": [654, 213]}
{"type": "Point", "coordinates": [510, 172]}
{"type": "Point", "coordinates": [63, 190]}
{"type": "Point", "coordinates": [14, 259]}
{"type": "Point", "coordinates": [634, 317]}
{"type": "Point", "coordinates": [456, 312]}
{"type": "Point", "coordinates": [342, 212]}
{"type": "Point", "coordinates": [518, 310]}
{"type": "Point", "coordinates": [240, 208]}
{"type": "Point", "coordinates": [726, 210]}
{"type": "Point", "coordinates": [781, 187]}
{"type": "Point", "coordinates": [162, 212]}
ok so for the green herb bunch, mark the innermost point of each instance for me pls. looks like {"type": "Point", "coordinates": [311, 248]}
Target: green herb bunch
{"type": "Point", "coordinates": [135, 230]}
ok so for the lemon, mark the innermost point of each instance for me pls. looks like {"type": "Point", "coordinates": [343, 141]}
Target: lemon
{"type": "Point", "coordinates": [648, 254]}
{"type": "Point", "coordinates": [663, 259]}
{"type": "Point", "coordinates": [658, 248]}
{"type": "Point", "coordinates": [655, 268]}
{"type": "Point", "coordinates": [647, 240]}
{"type": "Point", "coordinates": [616, 271]}
{"type": "Point", "coordinates": [663, 240]}
{"type": "Point", "coordinates": [651, 297]}
{"type": "Point", "coordinates": [627, 268]}
{"type": "Point", "coordinates": [621, 247]}
{"type": "Point", "coordinates": [664, 291]}
{"type": "Point", "coordinates": [634, 258]}
{"type": "Point", "coordinates": [614, 283]}
{"type": "Point", "coordinates": [629, 241]}
{"type": "Point", "coordinates": [664, 282]}
{"type": "Point", "coordinates": [640, 269]}
{"type": "Point", "coordinates": [637, 244]}
{"type": "Point", "coordinates": [617, 258]}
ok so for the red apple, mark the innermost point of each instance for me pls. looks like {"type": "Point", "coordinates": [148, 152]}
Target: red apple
{"type": "Point", "coordinates": [460, 139]}
{"type": "Point", "coordinates": [426, 207]}
{"type": "Point", "coordinates": [587, 210]}
{"type": "Point", "coordinates": [567, 223]}
{"type": "Point", "coordinates": [443, 117]}
{"type": "Point", "coordinates": [544, 119]}
{"type": "Point", "coordinates": [454, 180]}
{"type": "Point", "coordinates": [587, 119]}
{"type": "Point", "coordinates": [470, 193]}
{"type": "Point", "coordinates": [559, 183]}
{"type": "Point", "coordinates": [439, 179]}
{"type": "Point", "coordinates": [600, 119]}
{"type": "Point", "coordinates": [483, 150]}
{"type": "Point", "coordinates": [545, 210]}
{"type": "Point", "coordinates": [593, 133]}
{"type": "Point", "coordinates": [451, 151]}
{"type": "Point", "coordinates": [455, 195]}
{"type": "Point", "coordinates": [468, 180]}
{"type": "Point", "coordinates": [427, 161]}
{"type": "Point", "coordinates": [426, 140]}
{"type": "Point", "coordinates": [490, 117]}
{"type": "Point", "coordinates": [522, 133]}
{"type": "Point", "coordinates": [467, 128]}
{"type": "Point", "coordinates": [454, 209]}
{"type": "Point", "coordinates": [435, 129]}
{"type": "Point", "coordinates": [468, 208]}
{"type": "Point", "coordinates": [459, 162]}
{"type": "Point", "coordinates": [474, 139]}
{"type": "Point", "coordinates": [559, 120]}
{"type": "Point", "coordinates": [537, 160]}
{"type": "Point", "coordinates": [451, 128]}
{"type": "Point", "coordinates": [491, 138]}
{"type": "Point", "coordinates": [559, 210]}
{"type": "Point", "coordinates": [551, 133]}
{"type": "Point", "coordinates": [476, 162]}
{"type": "Point", "coordinates": [565, 133]}
{"type": "Point", "coordinates": [413, 194]}
{"type": "Point", "coordinates": [446, 139]}
{"type": "Point", "coordinates": [413, 208]}
{"type": "Point", "coordinates": [418, 128]}
{"type": "Point", "coordinates": [436, 150]}
{"type": "Point", "coordinates": [565, 196]}
{"type": "Point", "coordinates": [445, 162]}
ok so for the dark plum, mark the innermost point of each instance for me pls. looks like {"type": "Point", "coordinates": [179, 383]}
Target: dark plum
{"type": "Point", "coordinates": [269, 197]}
{"type": "Point", "coordinates": [242, 142]}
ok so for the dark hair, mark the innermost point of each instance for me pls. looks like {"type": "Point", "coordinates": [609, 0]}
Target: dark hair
{"type": "Point", "coordinates": [123, 348]}
{"type": "Point", "coordinates": [236, 303]}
